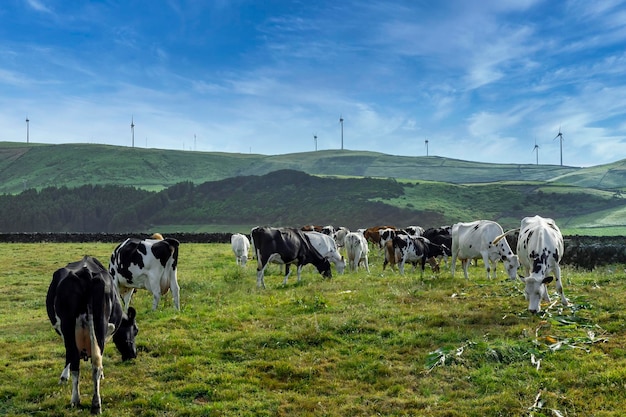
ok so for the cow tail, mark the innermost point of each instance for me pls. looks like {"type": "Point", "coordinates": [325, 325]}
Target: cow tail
{"type": "Point", "coordinates": [51, 297]}
{"type": "Point", "coordinates": [97, 308]}
{"type": "Point", "coordinates": [508, 232]}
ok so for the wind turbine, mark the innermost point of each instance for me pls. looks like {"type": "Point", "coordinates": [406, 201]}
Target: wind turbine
{"type": "Point", "coordinates": [132, 130]}
{"type": "Point", "coordinates": [315, 140]}
{"type": "Point", "coordinates": [426, 142]}
{"type": "Point", "coordinates": [560, 136]}
{"type": "Point", "coordinates": [341, 123]}
{"type": "Point", "coordinates": [536, 149]}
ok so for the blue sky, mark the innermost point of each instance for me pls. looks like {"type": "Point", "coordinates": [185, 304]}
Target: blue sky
{"type": "Point", "coordinates": [480, 80]}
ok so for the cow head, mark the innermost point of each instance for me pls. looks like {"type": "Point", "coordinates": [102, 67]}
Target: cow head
{"type": "Point", "coordinates": [341, 266]}
{"type": "Point", "coordinates": [511, 264]}
{"type": "Point", "coordinates": [535, 290]}
{"type": "Point", "coordinates": [324, 269]}
{"type": "Point", "coordinates": [124, 337]}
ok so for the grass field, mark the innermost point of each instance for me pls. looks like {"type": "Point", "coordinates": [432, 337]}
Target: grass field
{"type": "Point", "coordinates": [357, 345]}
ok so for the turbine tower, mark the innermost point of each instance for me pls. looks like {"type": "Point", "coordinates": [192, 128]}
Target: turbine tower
{"type": "Point", "coordinates": [132, 130]}
{"type": "Point", "coordinates": [560, 136]}
{"type": "Point", "coordinates": [27, 130]}
{"type": "Point", "coordinates": [315, 140]}
{"type": "Point", "coordinates": [341, 123]}
{"type": "Point", "coordinates": [536, 149]}
{"type": "Point", "coordinates": [426, 142]}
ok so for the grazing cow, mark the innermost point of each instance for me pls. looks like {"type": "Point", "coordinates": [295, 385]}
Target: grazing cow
{"type": "Point", "coordinates": [240, 245]}
{"type": "Point", "coordinates": [84, 308]}
{"type": "Point", "coordinates": [405, 248]}
{"type": "Point", "coordinates": [285, 246]}
{"type": "Point", "coordinates": [356, 251]}
{"type": "Point", "coordinates": [327, 247]}
{"type": "Point", "coordinates": [149, 264]}
{"type": "Point", "coordinates": [476, 239]}
{"type": "Point", "coordinates": [540, 249]}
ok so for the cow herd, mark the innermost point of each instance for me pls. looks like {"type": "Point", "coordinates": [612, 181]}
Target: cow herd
{"type": "Point", "coordinates": [87, 303]}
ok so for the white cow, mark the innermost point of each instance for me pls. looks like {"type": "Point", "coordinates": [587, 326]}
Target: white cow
{"type": "Point", "coordinates": [540, 249]}
{"type": "Point", "coordinates": [241, 247]}
{"type": "Point", "coordinates": [476, 239]}
{"type": "Point", "coordinates": [327, 247]}
{"type": "Point", "coordinates": [356, 251]}
{"type": "Point", "coordinates": [340, 236]}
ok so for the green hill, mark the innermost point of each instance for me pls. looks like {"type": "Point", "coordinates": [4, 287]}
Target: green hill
{"type": "Point", "coordinates": [39, 166]}
{"type": "Point", "coordinates": [73, 188]}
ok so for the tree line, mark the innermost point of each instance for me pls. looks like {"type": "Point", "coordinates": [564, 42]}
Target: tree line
{"type": "Point", "coordinates": [286, 198]}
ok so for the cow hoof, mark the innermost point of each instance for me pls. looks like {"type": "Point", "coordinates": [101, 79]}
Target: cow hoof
{"type": "Point", "coordinates": [96, 409]}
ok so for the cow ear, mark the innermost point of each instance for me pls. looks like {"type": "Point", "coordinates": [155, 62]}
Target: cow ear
{"type": "Point", "coordinates": [547, 280]}
{"type": "Point", "coordinates": [132, 313]}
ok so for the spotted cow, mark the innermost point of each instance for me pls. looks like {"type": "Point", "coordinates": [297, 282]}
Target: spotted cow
{"type": "Point", "coordinates": [83, 306]}
{"type": "Point", "coordinates": [146, 263]}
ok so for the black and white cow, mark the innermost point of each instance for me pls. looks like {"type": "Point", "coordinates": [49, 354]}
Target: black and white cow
{"type": "Point", "coordinates": [149, 264]}
{"type": "Point", "coordinates": [476, 239]}
{"type": "Point", "coordinates": [540, 249]}
{"type": "Point", "coordinates": [285, 246]}
{"type": "Point", "coordinates": [84, 307]}
{"type": "Point", "coordinates": [414, 250]}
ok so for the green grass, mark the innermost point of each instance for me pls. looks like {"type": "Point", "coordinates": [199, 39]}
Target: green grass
{"type": "Point", "coordinates": [359, 344]}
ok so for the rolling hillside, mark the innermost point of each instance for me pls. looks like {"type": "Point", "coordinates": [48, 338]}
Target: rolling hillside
{"type": "Point", "coordinates": [39, 166]}
{"type": "Point", "coordinates": [206, 192]}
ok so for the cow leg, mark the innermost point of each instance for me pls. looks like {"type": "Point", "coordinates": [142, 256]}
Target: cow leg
{"type": "Point", "coordinates": [260, 282]}
{"type": "Point", "coordinates": [299, 271]}
{"type": "Point", "coordinates": [487, 263]}
{"type": "Point", "coordinates": [288, 272]}
{"type": "Point", "coordinates": [465, 264]}
{"type": "Point", "coordinates": [401, 266]}
{"type": "Point", "coordinates": [156, 298]}
{"type": "Point", "coordinates": [72, 358]}
{"type": "Point", "coordinates": [75, 401]}
{"type": "Point", "coordinates": [559, 285]}
{"type": "Point", "coordinates": [175, 288]}
{"type": "Point", "coordinates": [97, 372]}
{"type": "Point", "coordinates": [453, 263]}
{"type": "Point", "coordinates": [367, 267]}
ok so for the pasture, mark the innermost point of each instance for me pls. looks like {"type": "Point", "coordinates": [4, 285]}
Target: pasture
{"type": "Point", "coordinates": [357, 345]}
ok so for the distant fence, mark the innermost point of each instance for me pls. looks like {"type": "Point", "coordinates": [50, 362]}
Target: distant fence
{"type": "Point", "coordinates": [581, 251]}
